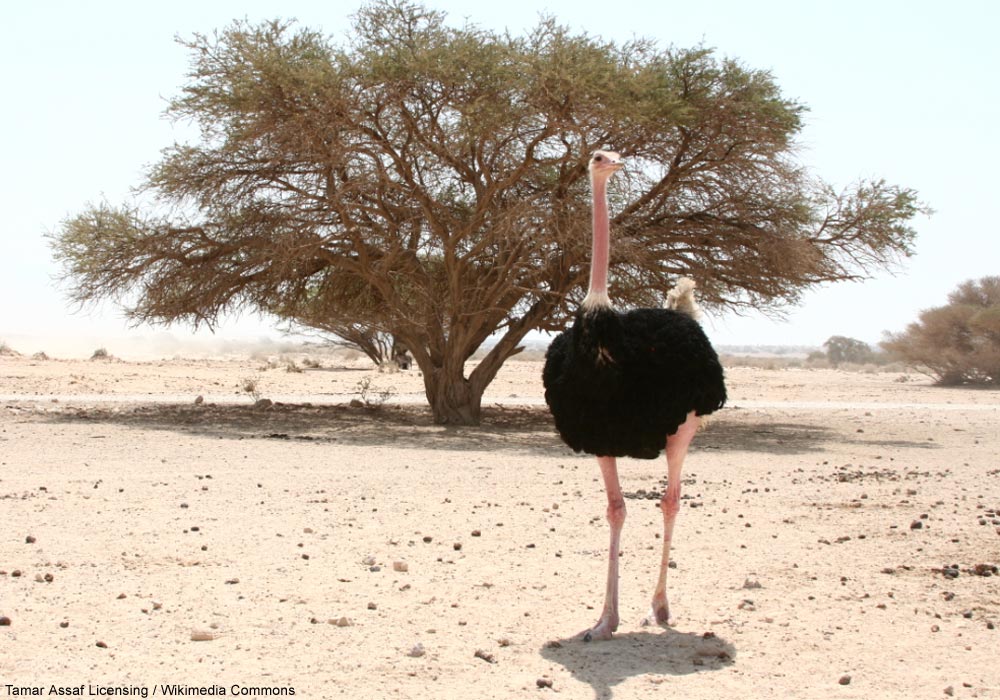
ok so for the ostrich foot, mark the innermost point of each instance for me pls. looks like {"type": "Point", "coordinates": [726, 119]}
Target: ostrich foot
{"type": "Point", "coordinates": [659, 615]}
{"type": "Point", "coordinates": [602, 631]}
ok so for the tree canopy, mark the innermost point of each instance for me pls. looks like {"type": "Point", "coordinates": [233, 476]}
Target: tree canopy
{"type": "Point", "coordinates": [430, 181]}
{"type": "Point", "coordinates": [840, 349]}
{"type": "Point", "coordinates": [958, 343]}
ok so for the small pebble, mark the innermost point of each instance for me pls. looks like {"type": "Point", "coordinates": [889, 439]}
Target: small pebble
{"type": "Point", "coordinates": [29, 539]}
{"type": "Point", "coordinates": [543, 683]}
{"type": "Point", "coordinates": [102, 645]}
{"type": "Point", "coordinates": [845, 680]}
{"type": "Point", "coordinates": [341, 622]}
{"type": "Point", "coordinates": [417, 651]}
{"type": "Point", "coordinates": [476, 533]}
{"type": "Point", "coordinates": [485, 656]}
{"type": "Point", "coordinates": [201, 635]}
{"type": "Point", "coordinates": [4, 621]}
{"type": "Point", "coordinates": [64, 624]}
{"type": "Point", "coordinates": [372, 606]}
{"type": "Point", "coordinates": [401, 566]}
{"type": "Point", "coordinates": [916, 525]}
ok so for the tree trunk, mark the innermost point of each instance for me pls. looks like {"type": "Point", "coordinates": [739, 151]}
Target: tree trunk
{"type": "Point", "coordinates": [454, 399]}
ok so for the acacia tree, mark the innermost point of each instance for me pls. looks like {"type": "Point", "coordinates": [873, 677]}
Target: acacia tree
{"type": "Point", "coordinates": [430, 181]}
{"type": "Point", "coordinates": [958, 343]}
{"type": "Point", "coordinates": [840, 349]}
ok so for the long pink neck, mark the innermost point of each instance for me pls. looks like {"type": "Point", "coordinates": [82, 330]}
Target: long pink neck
{"type": "Point", "coordinates": [597, 295]}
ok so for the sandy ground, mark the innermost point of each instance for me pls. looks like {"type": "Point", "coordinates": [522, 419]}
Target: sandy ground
{"type": "Point", "coordinates": [820, 511]}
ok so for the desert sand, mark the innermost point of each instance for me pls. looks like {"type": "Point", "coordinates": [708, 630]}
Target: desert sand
{"type": "Point", "coordinates": [147, 540]}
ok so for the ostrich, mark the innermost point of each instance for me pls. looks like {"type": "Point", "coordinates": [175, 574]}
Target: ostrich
{"type": "Point", "coordinates": [630, 384]}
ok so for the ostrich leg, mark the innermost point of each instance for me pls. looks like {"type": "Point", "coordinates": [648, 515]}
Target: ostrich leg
{"type": "Point", "coordinates": [670, 504]}
{"type": "Point", "coordinates": [608, 621]}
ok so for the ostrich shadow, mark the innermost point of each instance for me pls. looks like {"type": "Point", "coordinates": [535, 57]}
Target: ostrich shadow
{"type": "Point", "coordinates": [603, 665]}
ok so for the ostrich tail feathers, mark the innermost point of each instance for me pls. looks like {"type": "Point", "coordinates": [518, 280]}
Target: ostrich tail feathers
{"type": "Point", "coordinates": [681, 298]}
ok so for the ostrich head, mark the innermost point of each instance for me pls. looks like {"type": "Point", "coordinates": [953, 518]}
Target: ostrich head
{"type": "Point", "coordinates": [603, 164]}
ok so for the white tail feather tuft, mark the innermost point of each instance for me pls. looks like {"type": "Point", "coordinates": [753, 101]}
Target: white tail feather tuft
{"type": "Point", "coordinates": [681, 298]}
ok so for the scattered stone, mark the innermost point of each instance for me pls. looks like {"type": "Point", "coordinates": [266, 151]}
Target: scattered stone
{"type": "Point", "coordinates": [368, 561]}
{"type": "Point", "coordinates": [199, 400]}
{"type": "Point", "coordinates": [917, 525]}
{"type": "Point", "coordinates": [64, 624]}
{"type": "Point", "coordinates": [985, 570]}
{"type": "Point", "coordinates": [845, 680]}
{"type": "Point", "coordinates": [4, 621]}
{"type": "Point", "coordinates": [504, 642]}
{"type": "Point", "coordinates": [231, 582]}
{"type": "Point", "coordinates": [751, 584]}
{"type": "Point", "coordinates": [122, 596]}
{"type": "Point", "coordinates": [29, 539]}
{"type": "Point", "coordinates": [747, 604]}
{"type": "Point", "coordinates": [263, 404]}
{"type": "Point", "coordinates": [372, 606]}
{"type": "Point", "coordinates": [203, 635]}
{"type": "Point", "coordinates": [400, 566]}
{"type": "Point", "coordinates": [949, 691]}
{"type": "Point", "coordinates": [476, 533]}
{"type": "Point", "coordinates": [15, 573]}
{"type": "Point", "coordinates": [102, 645]}
{"type": "Point", "coordinates": [543, 683]}
{"type": "Point", "coordinates": [967, 614]}
{"type": "Point", "coordinates": [417, 650]}
{"type": "Point", "coordinates": [341, 622]}
{"type": "Point", "coordinates": [457, 546]}
{"type": "Point", "coordinates": [485, 656]}
{"type": "Point", "coordinates": [428, 539]}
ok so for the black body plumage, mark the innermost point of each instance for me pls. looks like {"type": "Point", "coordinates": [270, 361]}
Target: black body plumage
{"type": "Point", "coordinates": [619, 383]}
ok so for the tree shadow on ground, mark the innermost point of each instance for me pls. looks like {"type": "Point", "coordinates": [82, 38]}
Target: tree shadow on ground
{"type": "Point", "coordinates": [512, 428]}
{"type": "Point", "coordinates": [603, 665]}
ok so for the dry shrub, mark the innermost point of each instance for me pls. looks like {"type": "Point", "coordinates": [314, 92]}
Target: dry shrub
{"type": "Point", "coordinates": [958, 343]}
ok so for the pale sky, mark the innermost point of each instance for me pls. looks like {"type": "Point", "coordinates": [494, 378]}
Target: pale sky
{"type": "Point", "coordinates": [907, 91]}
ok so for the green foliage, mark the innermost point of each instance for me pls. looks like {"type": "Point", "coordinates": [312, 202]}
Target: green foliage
{"type": "Point", "coordinates": [958, 343]}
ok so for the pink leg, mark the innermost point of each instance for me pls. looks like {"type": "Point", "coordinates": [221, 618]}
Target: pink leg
{"type": "Point", "coordinates": [608, 621]}
{"type": "Point", "coordinates": [670, 504]}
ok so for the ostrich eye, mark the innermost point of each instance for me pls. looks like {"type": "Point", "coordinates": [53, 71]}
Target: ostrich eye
{"type": "Point", "coordinates": [598, 159]}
